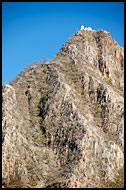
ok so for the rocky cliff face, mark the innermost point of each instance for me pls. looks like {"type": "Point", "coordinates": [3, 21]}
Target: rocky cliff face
{"type": "Point", "coordinates": [62, 121]}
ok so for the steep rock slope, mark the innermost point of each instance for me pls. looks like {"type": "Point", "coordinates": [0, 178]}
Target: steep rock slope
{"type": "Point", "coordinates": [63, 120]}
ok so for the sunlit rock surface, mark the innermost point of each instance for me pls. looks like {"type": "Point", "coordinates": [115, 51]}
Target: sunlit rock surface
{"type": "Point", "coordinates": [63, 121]}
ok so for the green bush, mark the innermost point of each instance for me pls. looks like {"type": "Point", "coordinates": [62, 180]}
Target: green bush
{"type": "Point", "coordinates": [109, 81]}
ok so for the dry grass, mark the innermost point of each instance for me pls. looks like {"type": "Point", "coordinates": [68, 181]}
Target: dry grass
{"type": "Point", "coordinates": [119, 180]}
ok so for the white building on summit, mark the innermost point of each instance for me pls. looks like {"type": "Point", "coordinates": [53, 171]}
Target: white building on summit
{"type": "Point", "coordinates": [82, 28]}
{"type": "Point", "coordinates": [89, 28]}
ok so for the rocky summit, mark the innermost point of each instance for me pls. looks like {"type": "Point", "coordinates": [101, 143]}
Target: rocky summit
{"type": "Point", "coordinates": [63, 120]}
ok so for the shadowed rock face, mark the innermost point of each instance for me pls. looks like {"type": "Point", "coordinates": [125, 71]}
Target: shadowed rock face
{"type": "Point", "coordinates": [62, 121]}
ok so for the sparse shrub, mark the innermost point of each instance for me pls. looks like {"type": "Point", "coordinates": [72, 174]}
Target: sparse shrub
{"type": "Point", "coordinates": [58, 53]}
{"type": "Point", "coordinates": [70, 37]}
{"type": "Point", "coordinates": [36, 135]}
{"type": "Point", "coordinates": [109, 81]}
{"type": "Point", "coordinates": [43, 60]}
{"type": "Point", "coordinates": [40, 61]}
{"type": "Point", "coordinates": [119, 180]}
{"type": "Point", "coordinates": [121, 88]}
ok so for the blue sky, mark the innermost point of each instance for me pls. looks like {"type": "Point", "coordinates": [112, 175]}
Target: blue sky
{"type": "Point", "coordinates": [32, 30]}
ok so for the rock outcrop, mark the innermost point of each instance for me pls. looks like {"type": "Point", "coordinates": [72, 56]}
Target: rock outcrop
{"type": "Point", "coordinates": [62, 121]}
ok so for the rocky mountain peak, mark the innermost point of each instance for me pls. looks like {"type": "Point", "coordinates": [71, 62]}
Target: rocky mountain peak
{"type": "Point", "coordinates": [99, 51]}
{"type": "Point", "coordinates": [62, 121]}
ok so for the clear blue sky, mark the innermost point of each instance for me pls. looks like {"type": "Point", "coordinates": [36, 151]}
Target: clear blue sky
{"type": "Point", "coordinates": [32, 30]}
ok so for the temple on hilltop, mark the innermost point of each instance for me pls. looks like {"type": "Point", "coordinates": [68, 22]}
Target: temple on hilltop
{"type": "Point", "coordinates": [82, 28]}
{"type": "Point", "coordinates": [89, 28]}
